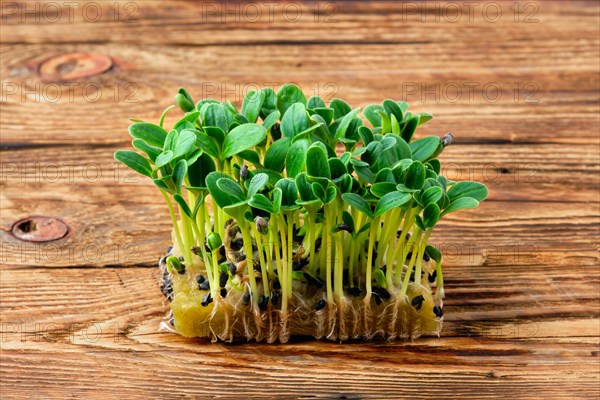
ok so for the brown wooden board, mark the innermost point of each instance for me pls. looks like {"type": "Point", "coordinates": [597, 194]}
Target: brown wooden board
{"type": "Point", "coordinates": [80, 316]}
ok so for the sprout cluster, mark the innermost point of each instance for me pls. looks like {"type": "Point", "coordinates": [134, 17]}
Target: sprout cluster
{"type": "Point", "coordinates": [316, 194]}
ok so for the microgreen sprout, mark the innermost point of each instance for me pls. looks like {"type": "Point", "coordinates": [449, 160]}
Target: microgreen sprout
{"type": "Point", "coordinates": [292, 203]}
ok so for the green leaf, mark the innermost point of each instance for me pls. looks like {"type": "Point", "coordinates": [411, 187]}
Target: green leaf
{"type": "Point", "coordinates": [261, 202]}
{"type": "Point", "coordinates": [152, 134]}
{"type": "Point", "coordinates": [277, 199]}
{"type": "Point", "coordinates": [373, 114]}
{"type": "Point", "coordinates": [271, 119]}
{"type": "Point", "coordinates": [198, 171]}
{"type": "Point", "coordinates": [431, 215]}
{"type": "Point", "coordinates": [190, 119]}
{"type": "Point", "coordinates": [289, 193]}
{"type": "Point", "coordinates": [164, 183]}
{"type": "Point", "coordinates": [163, 159]}
{"type": "Point", "coordinates": [252, 105]}
{"type": "Point", "coordinates": [287, 95]}
{"type": "Point", "coordinates": [294, 121]}
{"type": "Point", "coordinates": [330, 194]}
{"type": "Point", "coordinates": [392, 108]}
{"type": "Point", "coordinates": [185, 143]}
{"type": "Point", "coordinates": [207, 144]}
{"type": "Point", "coordinates": [179, 173]}
{"type": "Point", "coordinates": [296, 157]}
{"type": "Point", "coordinates": [357, 202]}
{"type": "Point", "coordinates": [319, 191]}
{"type": "Point", "coordinates": [424, 117]}
{"type": "Point", "coordinates": [227, 197]}
{"type": "Point", "coordinates": [304, 187]}
{"type": "Point", "coordinates": [434, 253]}
{"type": "Point", "coordinates": [410, 128]}
{"type": "Point", "coordinates": [345, 123]}
{"type": "Point", "coordinates": [340, 108]}
{"type": "Point", "coordinates": [276, 155]}
{"type": "Point", "coordinates": [171, 140]}
{"type": "Point", "coordinates": [435, 165]}
{"type": "Point", "coordinates": [184, 206]}
{"type": "Point", "coordinates": [242, 138]}
{"type": "Point", "coordinates": [424, 148]}
{"type": "Point", "coordinates": [215, 115]}
{"type": "Point", "coordinates": [395, 125]}
{"type": "Point", "coordinates": [460, 204]}
{"type": "Point", "coordinates": [184, 100]}
{"type": "Point", "coordinates": [269, 104]}
{"type": "Point", "coordinates": [380, 189]}
{"type": "Point", "coordinates": [391, 200]}
{"type": "Point", "coordinates": [316, 162]}
{"type": "Point", "coordinates": [151, 151]}
{"type": "Point", "coordinates": [134, 161]}
{"type": "Point", "coordinates": [379, 277]}
{"type": "Point", "coordinates": [364, 228]}
{"type": "Point", "coordinates": [251, 156]}
{"type": "Point", "coordinates": [431, 195]}
{"type": "Point", "coordinates": [325, 113]}
{"type": "Point", "coordinates": [415, 176]}
{"type": "Point", "coordinates": [337, 168]}
{"type": "Point", "coordinates": [348, 220]}
{"type": "Point", "coordinates": [475, 190]}
{"type": "Point", "coordinates": [315, 102]}
{"type": "Point", "coordinates": [419, 222]}
{"type": "Point", "coordinates": [257, 183]}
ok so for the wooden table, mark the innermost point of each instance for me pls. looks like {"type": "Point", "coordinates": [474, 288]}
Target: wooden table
{"type": "Point", "coordinates": [520, 92]}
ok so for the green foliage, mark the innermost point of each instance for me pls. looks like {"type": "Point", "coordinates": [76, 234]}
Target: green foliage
{"type": "Point", "coordinates": [275, 162]}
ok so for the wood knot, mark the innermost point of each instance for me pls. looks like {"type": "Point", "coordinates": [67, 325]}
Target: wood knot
{"type": "Point", "coordinates": [74, 66]}
{"type": "Point", "coordinates": [39, 229]}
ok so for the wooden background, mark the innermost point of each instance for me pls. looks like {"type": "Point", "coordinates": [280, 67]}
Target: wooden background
{"type": "Point", "coordinates": [520, 92]}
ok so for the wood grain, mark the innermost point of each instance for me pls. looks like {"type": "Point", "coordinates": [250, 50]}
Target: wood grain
{"type": "Point", "coordinates": [79, 317]}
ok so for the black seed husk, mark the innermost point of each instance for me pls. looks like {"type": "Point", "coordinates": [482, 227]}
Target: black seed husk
{"type": "Point", "coordinates": [204, 285]}
{"type": "Point", "coordinates": [237, 244]}
{"type": "Point", "coordinates": [206, 300]}
{"type": "Point", "coordinates": [196, 250]}
{"type": "Point", "coordinates": [246, 298]}
{"type": "Point", "coordinates": [354, 291]}
{"type": "Point", "coordinates": [223, 292]}
{"type": "Point", "coordinates": [377, 298]}
{"type": "Point", "coordinates": [232, 268]}
{"type": "Point", "coordinates": [432, 276]}
{"type": "Point", "coordinates": [223, 277]}
{"type": "Point", "coordinates": [320, 304]}
{"type": "Point", "coordinates": [275, 298]}
{"type": "Point", "coordinates": [298, 265]}
{"type": "Point", "coordinates": [417, 302]}
{"type": "Point", "coordinates": [262, 302]}
{"type": "Point", "coordinates": [318, 244]}
{"type": "Point", "coordinates": [382, 292]}
{"type": "Point", "coordinates": [426, 257]}
{"type": "Point", "coordinates": [200, 279]}
{"type": "Point", "coordinates": [438, 311]}
{"type": "Point", "coordinates": [276, 131]}
{"type": "Point", "coordinates": [312, 281]}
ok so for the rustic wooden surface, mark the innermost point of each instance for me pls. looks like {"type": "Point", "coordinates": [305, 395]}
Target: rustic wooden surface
{"type": "Point", "coordinates": [79, 315]}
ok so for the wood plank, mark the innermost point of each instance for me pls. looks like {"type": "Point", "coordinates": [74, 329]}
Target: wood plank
{"type": "Point", "coordinates": [80, 317]}
{"type": "Point", "coordinates": [462, 94]}
{"type": "Point", "coordinates": [212, 23]}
